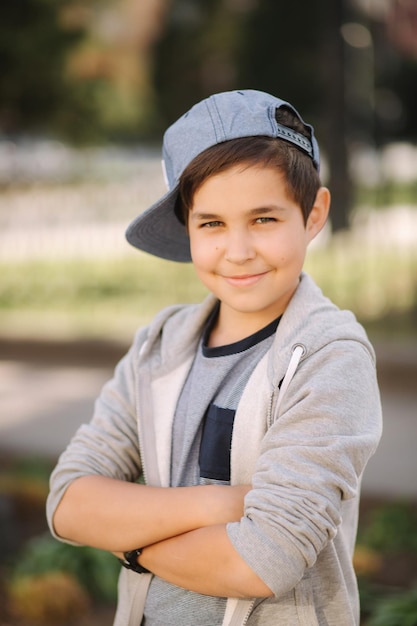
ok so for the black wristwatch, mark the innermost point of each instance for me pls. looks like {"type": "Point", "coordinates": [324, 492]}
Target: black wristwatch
{"type": "Point", "coordinates": [130, 561]}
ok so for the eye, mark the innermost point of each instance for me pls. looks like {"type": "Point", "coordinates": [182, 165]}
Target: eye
{"type": "Point", "coordinates": [212, 224]}
{"type": "Point", "coordinates": [265, 220]}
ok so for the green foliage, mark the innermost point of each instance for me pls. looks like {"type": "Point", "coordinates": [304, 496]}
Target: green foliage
{"type": "Point", "coordinates": [283, 42]}
{"type": "Point", "coordinates": [197, 54]}
{"type": "Point", "coordinates": [97, 571]}
{"type": "Point", "coordinates": [41, 94]}
{"type": "Point", "coordinates": [397, 610]}
{"type": "Point", "coordinates": [74, 282]}
{"type": "Point", "coordinates": [35, 93]}
{"type": "Point", "coordinates": [386, 194]}
{"type": "Point", "coordinates": [396, 78]}
{"type": "Point", "coordinates": [392, 528]}
{"type": "Point", "coordinates": [92, 297]}
{"type": "Point", "coordinates": [32, 467]}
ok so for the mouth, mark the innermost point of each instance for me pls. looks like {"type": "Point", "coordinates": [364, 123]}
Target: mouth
{"type": "Point", "coordinates": [244, 280]}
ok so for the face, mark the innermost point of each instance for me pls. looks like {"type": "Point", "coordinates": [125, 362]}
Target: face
{"type": "Point", "coordinates": [248, 243]}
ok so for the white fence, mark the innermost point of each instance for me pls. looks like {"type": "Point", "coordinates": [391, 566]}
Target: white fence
{"type": "Point", "coordinates": [86, 219]}
{"type": "Point", "coordinates": [82, 219]}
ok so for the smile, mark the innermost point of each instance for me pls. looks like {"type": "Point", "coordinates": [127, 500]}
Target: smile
{"type": "Point", "coordinates": [246, 280]}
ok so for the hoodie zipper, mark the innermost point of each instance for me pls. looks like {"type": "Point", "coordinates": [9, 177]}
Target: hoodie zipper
{"type": "Point", "coordinates": [141, 428]}
{"type": "Point", "coordinates": [248, 612]}
{"type": "Point", "coordinates": [241, 613]}
{"type": "Point", "coordinates": [298, 351]}
{"type": "Point", "coordinates": [269, 418]}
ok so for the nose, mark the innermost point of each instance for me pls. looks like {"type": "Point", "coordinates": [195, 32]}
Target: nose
{"type": "Point", "coordinates": [239, 247]}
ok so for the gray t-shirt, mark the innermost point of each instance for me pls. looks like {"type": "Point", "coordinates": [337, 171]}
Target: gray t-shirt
{"type": "Point", "coordinates": [202, 431]}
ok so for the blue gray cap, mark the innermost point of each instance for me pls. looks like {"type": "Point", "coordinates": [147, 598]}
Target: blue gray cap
{"type": "Point", "coordinates": [216, 119]}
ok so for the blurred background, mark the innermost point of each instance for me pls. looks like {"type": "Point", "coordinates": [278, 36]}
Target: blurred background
{"type": "Point", "coordinates": [87, 88]}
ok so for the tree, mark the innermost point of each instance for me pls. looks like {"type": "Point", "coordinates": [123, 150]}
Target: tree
{"type": "Point", "coordinates": [334, 118]}
{"type": "Point", "coordinates": [35, 92]}
{"type": "Point", "coordinates": [196, 55]}
{"type": "Point", "coordinates": [295, 50]}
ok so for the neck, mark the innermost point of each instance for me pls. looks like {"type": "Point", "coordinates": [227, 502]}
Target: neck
{"type": "Point", "coordinates": [232, 326]}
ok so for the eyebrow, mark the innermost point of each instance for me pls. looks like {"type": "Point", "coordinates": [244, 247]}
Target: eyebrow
{"type": "Point", "coordinates": [201, 216]}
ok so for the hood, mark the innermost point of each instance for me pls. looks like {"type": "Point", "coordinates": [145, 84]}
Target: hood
{"type": "Point", "coordinates": [175, 332]}
{"type": "Point", "coordinates": [313, 321]}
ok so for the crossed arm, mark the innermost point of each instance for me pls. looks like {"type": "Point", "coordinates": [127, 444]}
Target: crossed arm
{"type": "Point", "coordinates": [183, 529]}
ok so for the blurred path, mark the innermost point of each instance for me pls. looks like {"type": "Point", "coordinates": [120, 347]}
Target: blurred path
{"type": "Point", "coordinates": [41, 406]}
{"type": "Point", "coordinates": [47, 389]}
{"type": "Point", "coordinates": [45, 394]}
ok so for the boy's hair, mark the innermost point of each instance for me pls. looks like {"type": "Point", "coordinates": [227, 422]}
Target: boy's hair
{"type": "Point", "coordinates": [301, 177]}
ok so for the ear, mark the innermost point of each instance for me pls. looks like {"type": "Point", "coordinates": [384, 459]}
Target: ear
{"type": "Point", "coordinates": [319, 213]}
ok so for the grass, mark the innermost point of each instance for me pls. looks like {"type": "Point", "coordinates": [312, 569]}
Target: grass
{"type": "Point", "coordinates": [90, 297]}
{"type": "Point", "coordinates": [377, 285]}
{"type": "Point", "coordinates": [112, 297]}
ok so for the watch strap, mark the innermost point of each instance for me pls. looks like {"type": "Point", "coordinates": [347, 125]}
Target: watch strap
{"type": "Point", "coordinates": [130, 561]}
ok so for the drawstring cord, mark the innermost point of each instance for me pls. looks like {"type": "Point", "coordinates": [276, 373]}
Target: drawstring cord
{"type": "Point", "coordinates": [298, 351]}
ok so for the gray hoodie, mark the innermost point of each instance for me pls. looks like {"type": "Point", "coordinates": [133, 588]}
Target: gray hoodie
{"type": "Point", "coordinates": [302, 440]}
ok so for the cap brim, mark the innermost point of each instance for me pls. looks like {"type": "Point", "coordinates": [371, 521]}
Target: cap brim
{"type": "Point", "coordinates": [159, 232]}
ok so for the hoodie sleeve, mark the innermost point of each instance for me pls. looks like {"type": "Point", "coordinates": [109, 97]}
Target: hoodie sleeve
{"type": "Point", "coordinates": [311, 462]}
{"type": "Point", "coordinates": [108, 444]}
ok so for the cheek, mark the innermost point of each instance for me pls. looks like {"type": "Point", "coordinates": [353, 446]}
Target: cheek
{"type": "Point", "coordinates": [283, 254]}
{"type": "Point", "coordinates": [193, 241]}
{"type": "Point", "coordinates": [200, 251]}
{"type": "Point", "coordinates": [277, 250]}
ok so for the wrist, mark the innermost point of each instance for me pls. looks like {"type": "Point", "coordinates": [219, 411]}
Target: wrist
{"type": "Point", "coordinates": [131, 561]}
{"type": "Point", "coordinates": [226, 504]}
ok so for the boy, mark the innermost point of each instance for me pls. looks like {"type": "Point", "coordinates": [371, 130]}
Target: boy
{"type": "Point", "coordinates": [251, 416]}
